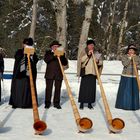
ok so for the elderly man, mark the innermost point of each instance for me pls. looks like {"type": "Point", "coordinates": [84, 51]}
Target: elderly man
{"type": "Point", "coordinates": [53, 75]}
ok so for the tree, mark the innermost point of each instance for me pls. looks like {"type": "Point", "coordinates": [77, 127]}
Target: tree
{"type": "Point", "coordinates": [61, 20]}
{"type": "Point", "coordinates": [110, 29]}
{"type": "Point", "coordinates": [106, 28]}
{"type": "Point", "coordinates": [86, 24]}
{"type": "Point", "coordinates": [60, 8]}
{"type": "Point", "coordinates": [122, 27]}
{"type": "Point", "coordinates": [34, 18]}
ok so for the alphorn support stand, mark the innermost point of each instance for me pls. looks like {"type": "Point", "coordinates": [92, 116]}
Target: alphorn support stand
{"type": "Point", "coordinates": [83, 124]}
{"type": "Point", "coordinates": [39, 126]}
{"type": "Point", "coordinates": [114, 125]}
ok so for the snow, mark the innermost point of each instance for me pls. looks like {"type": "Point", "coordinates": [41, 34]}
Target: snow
{"type": "Point", "coordinates": [18, 123]}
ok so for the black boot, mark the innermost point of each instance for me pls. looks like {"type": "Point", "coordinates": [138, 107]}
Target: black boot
{"type": "Point", "coordinates": [90, 106]}
{"type": "Point", "coordinates": [47, 106]}
{"type": "Point", "coordinates": [57, 106]}
{"type": "Point", "coordinates": [81, 106]}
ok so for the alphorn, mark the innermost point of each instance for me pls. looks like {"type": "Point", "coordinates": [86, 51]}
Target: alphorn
{"type": "Point", "coordinates": [136, 72]}
{"type": "Point", "coordinates": [114, 125]}
{"type": "Point", "coordinates": [39, 126]}
{"type": "Point", "coordinates": [84, 124]}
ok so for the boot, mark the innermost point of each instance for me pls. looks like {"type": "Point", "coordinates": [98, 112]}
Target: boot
{"type": "Point", "coordinates": [57, 106]}
{"type": "Point", "coordinates": [47, 105]}
{"type": "Point", "coordinates": [90, 106]}
{"type": "Point", "coordinates": [81, 106]}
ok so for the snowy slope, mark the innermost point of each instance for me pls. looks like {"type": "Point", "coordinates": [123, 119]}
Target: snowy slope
{"type": "Point", "coordinates": [17, 123]}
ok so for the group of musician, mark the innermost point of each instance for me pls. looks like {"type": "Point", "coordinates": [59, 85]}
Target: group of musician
{"type": "Point", "coordinates": [20, 97]}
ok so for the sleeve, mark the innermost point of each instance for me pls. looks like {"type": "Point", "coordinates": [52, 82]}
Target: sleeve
{"type": "Point", "coordinates": [49, 57]}
{"type": "Point", "coordinates": [84, 58]}
{"type": "Point", "coordinates": [19, 55]}
{"type": "Point", "coordinates": [35, 58]}
{"type": "Point", "coordinates": [126, 61]}
{"type": "Point", "coordinates": [137, 61]}
{"type": "Point", "coordinates": [100, 62]}
{"type": "Point", "coordinates": [64, 60]}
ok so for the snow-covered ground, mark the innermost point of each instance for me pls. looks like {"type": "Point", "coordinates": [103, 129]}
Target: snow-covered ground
{"type": "Point", "coordinates": [18, 123]}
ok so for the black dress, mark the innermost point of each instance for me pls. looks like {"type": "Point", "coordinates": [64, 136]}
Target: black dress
{"type": "Point", "coordinates": [20, 86]}
{"type": "Point", "coordinates": [87, 92]}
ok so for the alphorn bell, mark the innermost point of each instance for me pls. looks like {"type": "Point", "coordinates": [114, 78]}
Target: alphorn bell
{"type": "Point", "coordinates": [39, 126]}
{"type": "Point", "coordinates": [84, 124]}
{"type": "Point", "coordinates": [115, 125]}
{"type": "Point", "coordinates": [136, 72]}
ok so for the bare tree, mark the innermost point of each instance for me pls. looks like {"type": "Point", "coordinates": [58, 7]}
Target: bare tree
{"type": "Point", "coordinates": [106, 30]}
{"type": "Point", "coordinates": [77, 1]}
{"type": "Point", "coordinates": [61, 19]}
{"type": "Point", "coordinates": [34, 18]}
{"type": "Point", "coordinates": [122, 27]}
{"type": "Point", "coordinates": [60, 8]}
{"type": "Point", "coordinates": [86, 24]}
{"type": "Point", "coordinates": [110, 29]}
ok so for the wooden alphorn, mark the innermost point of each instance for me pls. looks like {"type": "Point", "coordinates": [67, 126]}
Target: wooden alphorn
{"type": "Point", "coordinates": [39, 126]}
{"type": "Point", "coordinates": [83, 124]}
{"type": "Point", "coordinates": [136, 72]}
{"type": "Point", "coordinates": [115, 125]}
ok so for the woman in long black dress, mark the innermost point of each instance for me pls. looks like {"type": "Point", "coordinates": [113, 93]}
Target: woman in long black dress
{"type": "Point", "coordinates": [20, 87]}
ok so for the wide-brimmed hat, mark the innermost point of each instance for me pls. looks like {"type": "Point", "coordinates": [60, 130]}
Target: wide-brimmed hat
{"type": "Point", "coordinates": [55, 42]}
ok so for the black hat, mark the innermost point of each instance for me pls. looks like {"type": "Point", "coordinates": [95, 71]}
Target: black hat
{"type": "Point", "coordinates": [90, 42]}
{"type": "Point", "coordinates": [55, 42]}
{"type": "Point", "coordinates": [132, 46]}
{"type": "Point", "coordinates": [28, 41]}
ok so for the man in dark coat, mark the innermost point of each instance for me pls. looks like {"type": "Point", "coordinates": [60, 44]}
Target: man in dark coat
{"type": "Point", "coordinates": [53, 75]}
{"type": "Point", "coordinates": [1, 71]}
{"type": "Point", "coordinates": [20, 87]}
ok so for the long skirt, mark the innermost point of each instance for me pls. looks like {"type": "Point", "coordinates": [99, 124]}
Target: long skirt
{"type": "Point", "coordinates": [128, 94]}
{"type": "Point", "coordinates": [87, 92]}
{"type": "Point", "coordinates": [21, 93]}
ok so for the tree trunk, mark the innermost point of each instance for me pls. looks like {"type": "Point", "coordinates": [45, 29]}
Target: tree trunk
{"type": "Point", "coordinates": [122, 27]}
{"type": "Point", "coordinates": [61, 20]}
{"type": "Point", "coordinates": [105, 41]}
{"type": "Point", "coordinates": [34, 18]}
{"type": "Point", "coordinates": [76, 1]}
{"type": "Point", "coordinates": [110, 30]}
{"type": "Point", "coordinates": [86, 25]}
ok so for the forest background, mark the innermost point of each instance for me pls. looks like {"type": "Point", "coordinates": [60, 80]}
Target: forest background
{"type": "Point", "coordinates": [113, 25]}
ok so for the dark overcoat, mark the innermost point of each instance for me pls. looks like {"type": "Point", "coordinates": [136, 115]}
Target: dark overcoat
{"type": "Point", "coordinates": [20, 87]}
{"type": "Point", "coordinates": [53, 70]}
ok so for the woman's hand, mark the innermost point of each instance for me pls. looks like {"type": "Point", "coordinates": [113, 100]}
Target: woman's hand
{"type": "Point", "coordinates": [90, 52]}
